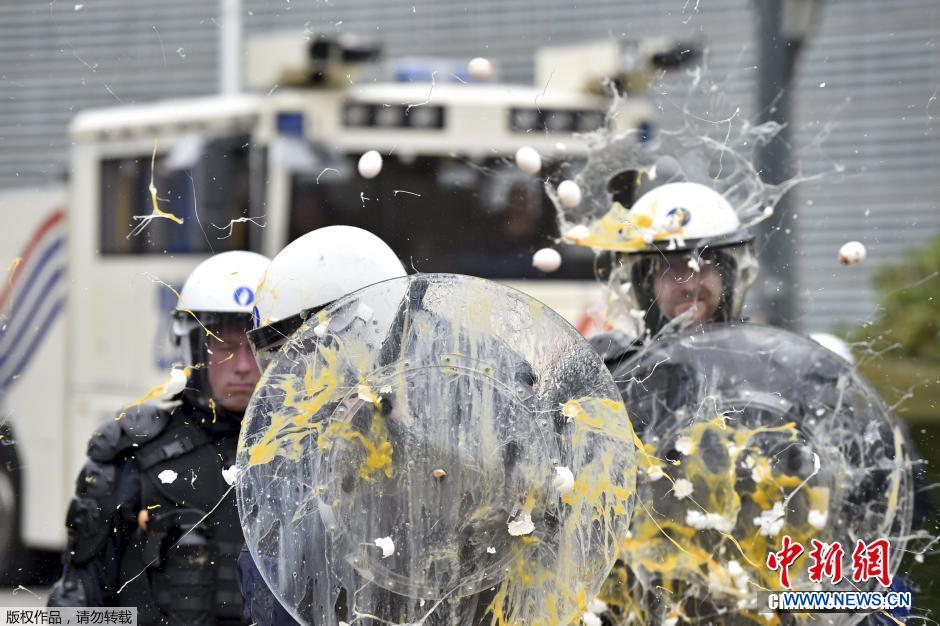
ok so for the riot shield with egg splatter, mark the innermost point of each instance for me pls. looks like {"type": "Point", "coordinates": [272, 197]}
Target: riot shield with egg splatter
{"type": "Point", "coordinates": [436, 449]}
{"type": "Point", "coordinates": [753, 435]}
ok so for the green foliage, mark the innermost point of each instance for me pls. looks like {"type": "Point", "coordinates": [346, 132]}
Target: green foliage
{"type": "Point", "coordinates": [909, 294]}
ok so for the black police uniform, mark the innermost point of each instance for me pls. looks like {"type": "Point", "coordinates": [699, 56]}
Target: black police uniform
{"type": "Point", "coordinates": [181, 570]}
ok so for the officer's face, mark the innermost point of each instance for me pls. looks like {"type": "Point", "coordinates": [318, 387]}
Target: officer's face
{"type": "Point", "coordinates": [678, 288]}
{"type": "Point", "coordinates": [233, 372]}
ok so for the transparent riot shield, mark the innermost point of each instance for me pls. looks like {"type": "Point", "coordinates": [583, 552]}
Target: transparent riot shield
{"type": "Point", "coordinates": [754, 439]}
{"type": "Point", "coordinates": [436, 449]}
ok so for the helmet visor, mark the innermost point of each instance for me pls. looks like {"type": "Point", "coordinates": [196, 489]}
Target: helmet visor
{"type": "Point", "coordinates": [199, 336]}
{"type": "Point", "coordinates": [682, 287]}
{"type": "Point", "coordinates": [267, 340]}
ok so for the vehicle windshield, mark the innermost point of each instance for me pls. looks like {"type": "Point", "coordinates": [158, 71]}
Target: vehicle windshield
{"type": "Point", "coordinates": [203, 181]}
{"type": "Point", "coordinates": [439, 213]}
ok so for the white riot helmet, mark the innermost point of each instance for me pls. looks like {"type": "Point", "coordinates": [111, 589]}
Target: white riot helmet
{"type": "Point", "coordinates": [686, 215]}
{"type": "Point", "coordinates": [687, 226]}
{"type": "Point", "coordinates": [220, 291]}
{"type": "Point", "coordinates": [310, 273]}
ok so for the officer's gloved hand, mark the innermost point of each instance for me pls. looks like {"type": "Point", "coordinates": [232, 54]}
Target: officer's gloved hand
{"type": "Point", "coordinates": [69, 591]}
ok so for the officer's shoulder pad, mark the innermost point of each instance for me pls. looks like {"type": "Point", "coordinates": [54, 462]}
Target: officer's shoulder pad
{"type": "Point", "coordinates": [135, 425]}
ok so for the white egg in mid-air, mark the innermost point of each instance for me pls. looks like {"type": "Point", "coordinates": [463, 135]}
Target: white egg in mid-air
{"type": "Point", "coordinates": [176, 383]}
{"type": "Point", "coordinates": [852, 253]}
{"type": "Point", "coordinates": [569, 194]}
{"type": "Point", "coordinates": [546, 260]}
{"type": "Point", "coordinates": [230, 474]}
{"type": "Point", "coordinates": [370, 164]}
{"type": "Point", "coordinates": [528, 160]}
{"type": "Point", "coordinates": [480, 68]}
{"type": "Point", "coordinates": [577, 234]}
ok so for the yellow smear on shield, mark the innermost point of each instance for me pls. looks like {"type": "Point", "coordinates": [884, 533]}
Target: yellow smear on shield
{"type": "Point", "coordinates": [285, 433]}
{"type": "Point", "coordinates": [682, 557]}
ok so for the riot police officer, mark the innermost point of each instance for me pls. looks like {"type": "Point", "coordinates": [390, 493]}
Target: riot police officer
{"type": "Point", "coordinates": [693, 264]}
{"type": "Point", "coordinates": [153, 523]}
{"type": "Point", "coordinates": [307, 275]}
{"type": "Point", "coordinates": [408, 434]}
